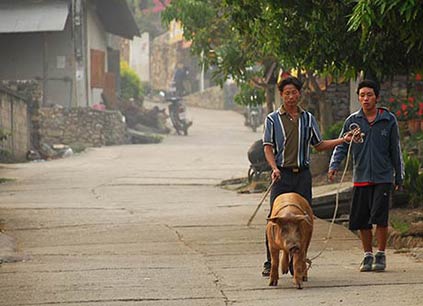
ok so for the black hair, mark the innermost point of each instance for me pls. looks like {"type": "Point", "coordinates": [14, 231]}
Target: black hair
{"type": "Point", "coordinates": [290, 81]}
{"type": "Point", "coordinates": [369, 84]}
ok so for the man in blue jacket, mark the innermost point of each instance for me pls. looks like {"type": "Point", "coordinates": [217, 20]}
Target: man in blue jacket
{"type": "Point", "coordinates": [377, 164]}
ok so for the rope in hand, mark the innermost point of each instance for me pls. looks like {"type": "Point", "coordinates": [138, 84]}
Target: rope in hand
{"type": "Point", "coordinates": [261, 202]}
{"type": "Point", "coordinates": [357, 137]}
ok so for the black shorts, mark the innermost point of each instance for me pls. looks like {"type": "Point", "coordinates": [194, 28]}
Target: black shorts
{"type": "Point", "coordinates": [370, 205]}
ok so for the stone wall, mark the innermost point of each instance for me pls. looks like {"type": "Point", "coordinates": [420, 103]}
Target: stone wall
{"type": "Point", "coordinates": [211, 98]}
{"type": "Point", "coordinates": [339, 97]}
{"type": "Point", "coordinates": [81, 126]}
{"type": "Point", "coordinates": [14, 120]}
{"type": "Point", "coordinates": [214, 98]}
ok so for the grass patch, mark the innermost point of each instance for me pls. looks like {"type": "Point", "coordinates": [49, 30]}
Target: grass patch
{"type": "Point", "coordinates": [400, 225]}
{"type": "Point", "coordinates": [5, 180]}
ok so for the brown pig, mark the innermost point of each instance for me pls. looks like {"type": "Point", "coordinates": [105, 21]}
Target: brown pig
{"type": "Point", "coordinates": [289, 230]}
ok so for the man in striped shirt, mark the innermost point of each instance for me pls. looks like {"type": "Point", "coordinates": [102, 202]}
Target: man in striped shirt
{"type": "Point", "coordinates": [289, 133]}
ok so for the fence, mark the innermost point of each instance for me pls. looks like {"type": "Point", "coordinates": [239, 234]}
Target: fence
{"type": "Point", "coordinates": [15, 125]}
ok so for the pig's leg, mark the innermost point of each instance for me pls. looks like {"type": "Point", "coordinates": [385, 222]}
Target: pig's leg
{"type": "Point", "coordinates": [304, 266]}
{"type": "Point", "coordinates": [307, 244]}
{"type": "Point", "coordinates": [274, 275]}
{"type": "Point", "coordinates": [298, 273]}
{"type": "Point", "coordinates": [285, 262]}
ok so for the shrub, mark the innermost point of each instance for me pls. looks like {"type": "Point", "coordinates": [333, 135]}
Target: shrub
{"type": "Point", "coordinates": [413, 180]}
{"type": "Point", "coordinates": [130, 83]}
{"type": "Point", "coordinates": [334, 130]}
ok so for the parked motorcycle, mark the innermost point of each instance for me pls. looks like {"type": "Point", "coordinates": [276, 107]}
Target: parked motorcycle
{"type": "Point", "coordinates": [178, 115]}
{"type": "Point", "coordinates": [253, 117]}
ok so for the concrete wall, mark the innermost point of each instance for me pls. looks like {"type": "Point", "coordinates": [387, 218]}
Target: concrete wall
{"type": "Point", "coordinates": [81, 126]}
{"type": "Point", "coordinates": [139, 57]}
{"type": "Point", "coordinates": [14, 119]}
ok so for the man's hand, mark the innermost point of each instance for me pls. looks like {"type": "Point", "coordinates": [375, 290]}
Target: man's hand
{"type": "Point", "coordinates": [398, 188]}
{"type": "Point", "coordinates": [331, 175]}
{"type": "Point", "coordinates": [354, 135]}
{"type": "Point", "coordinates": [276, 174]}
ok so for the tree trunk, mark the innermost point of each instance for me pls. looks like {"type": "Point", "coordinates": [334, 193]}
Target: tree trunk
{"type": "Point", "coordinates": [325, 111]}
{"type": "Point", "coordinates": [270, 97]}
{"type": "Point", "coordinates": [324, 116]}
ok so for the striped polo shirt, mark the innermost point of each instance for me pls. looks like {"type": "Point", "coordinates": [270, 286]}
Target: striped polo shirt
{"type": "Point", "coordinates": [276, 136]}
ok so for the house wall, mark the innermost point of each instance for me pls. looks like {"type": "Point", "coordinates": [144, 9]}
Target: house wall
{"type": "Point", "coordinates": [14, 119]}
{"type": "Point", "coordinates": [60, 67]}
{"type": "Point", "coordinates": [21, 56]}
{"type": "Point", "coordinates": [47, 55]}
{"type": "Point", "coordinates": [97, 40]}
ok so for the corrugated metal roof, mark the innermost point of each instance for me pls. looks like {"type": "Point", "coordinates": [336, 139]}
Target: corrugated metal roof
{"type": "Point", "coordinates": [117, 18]}
{"type": "Point", "coordinates": [32, 15]}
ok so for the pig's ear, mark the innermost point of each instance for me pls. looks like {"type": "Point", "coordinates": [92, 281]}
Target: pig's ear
{"type": "Point", "coordinates": [273, 219]}
{"type": "Point", "coordinates": [305, 218]}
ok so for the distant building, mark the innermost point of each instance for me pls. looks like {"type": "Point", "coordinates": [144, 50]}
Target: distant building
{"type": "Point", "coordinates": [70, 47]}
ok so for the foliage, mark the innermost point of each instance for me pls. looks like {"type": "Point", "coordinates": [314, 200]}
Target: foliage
{"type": "Point", "coordinates": [391, 32]}
{"type": "Point", "coordinates": [334, 130]}
{"type": "Point", "coordinates": [6, 156]}
{"type": "Point", "coordinates": [249, 95]}
{"type": "Point", "coordinates": [130, 83]}
{"type": "Point", "coordinates": [4, 134]}
{"type": "Point", "coordinates": [413, 180]}
{"type": "Point", "coordinates": [412, 143]}
{"type": "Point", "coordinates": [4, 180]}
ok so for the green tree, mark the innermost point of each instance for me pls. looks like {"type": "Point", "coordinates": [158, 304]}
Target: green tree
{"type": "Point", "coordinates": [391, 35]}
{"type": "Point", "coordinates": [316, 37]}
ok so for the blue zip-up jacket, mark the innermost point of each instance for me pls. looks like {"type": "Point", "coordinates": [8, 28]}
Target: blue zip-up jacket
{"type": "Point", "coordinates": [378, 159]}
{"type": "Point", "coordinates": [308, 134]}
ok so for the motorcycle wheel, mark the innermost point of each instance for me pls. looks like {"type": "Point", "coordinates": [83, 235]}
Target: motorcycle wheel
{"type": "Point", "coordinates": [175, 123]}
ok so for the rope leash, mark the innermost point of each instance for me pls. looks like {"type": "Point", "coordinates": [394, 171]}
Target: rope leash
{"type": "Point", "coordinates": [261, 202]}
{"type": "Point", "coordinates": [357, 132]}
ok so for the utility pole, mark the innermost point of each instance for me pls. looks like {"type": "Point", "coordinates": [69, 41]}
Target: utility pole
{"type": "Point", "coordinates": [79, 35]}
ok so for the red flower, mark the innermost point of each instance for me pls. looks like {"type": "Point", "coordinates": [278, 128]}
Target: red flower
{"type": "Point", "coordinates": [398, 113]}
{"type": "Point", "coordinates": [403, 107]}
{"type": "Point", "coordinates": [418, 77]}
{"type": "Point", "coordinates": [420, 109]}
{"type": "Point", "coordinates": [391, 100]}
{"type": "Point", "coordinates": [411, 99]}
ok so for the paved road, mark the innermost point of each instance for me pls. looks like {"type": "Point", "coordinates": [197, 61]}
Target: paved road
{"type": "Point", "coordinates": [146, 225]}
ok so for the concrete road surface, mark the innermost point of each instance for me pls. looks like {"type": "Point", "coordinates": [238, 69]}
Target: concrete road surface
{"type": "Point", "coordinates": [147, 225]}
